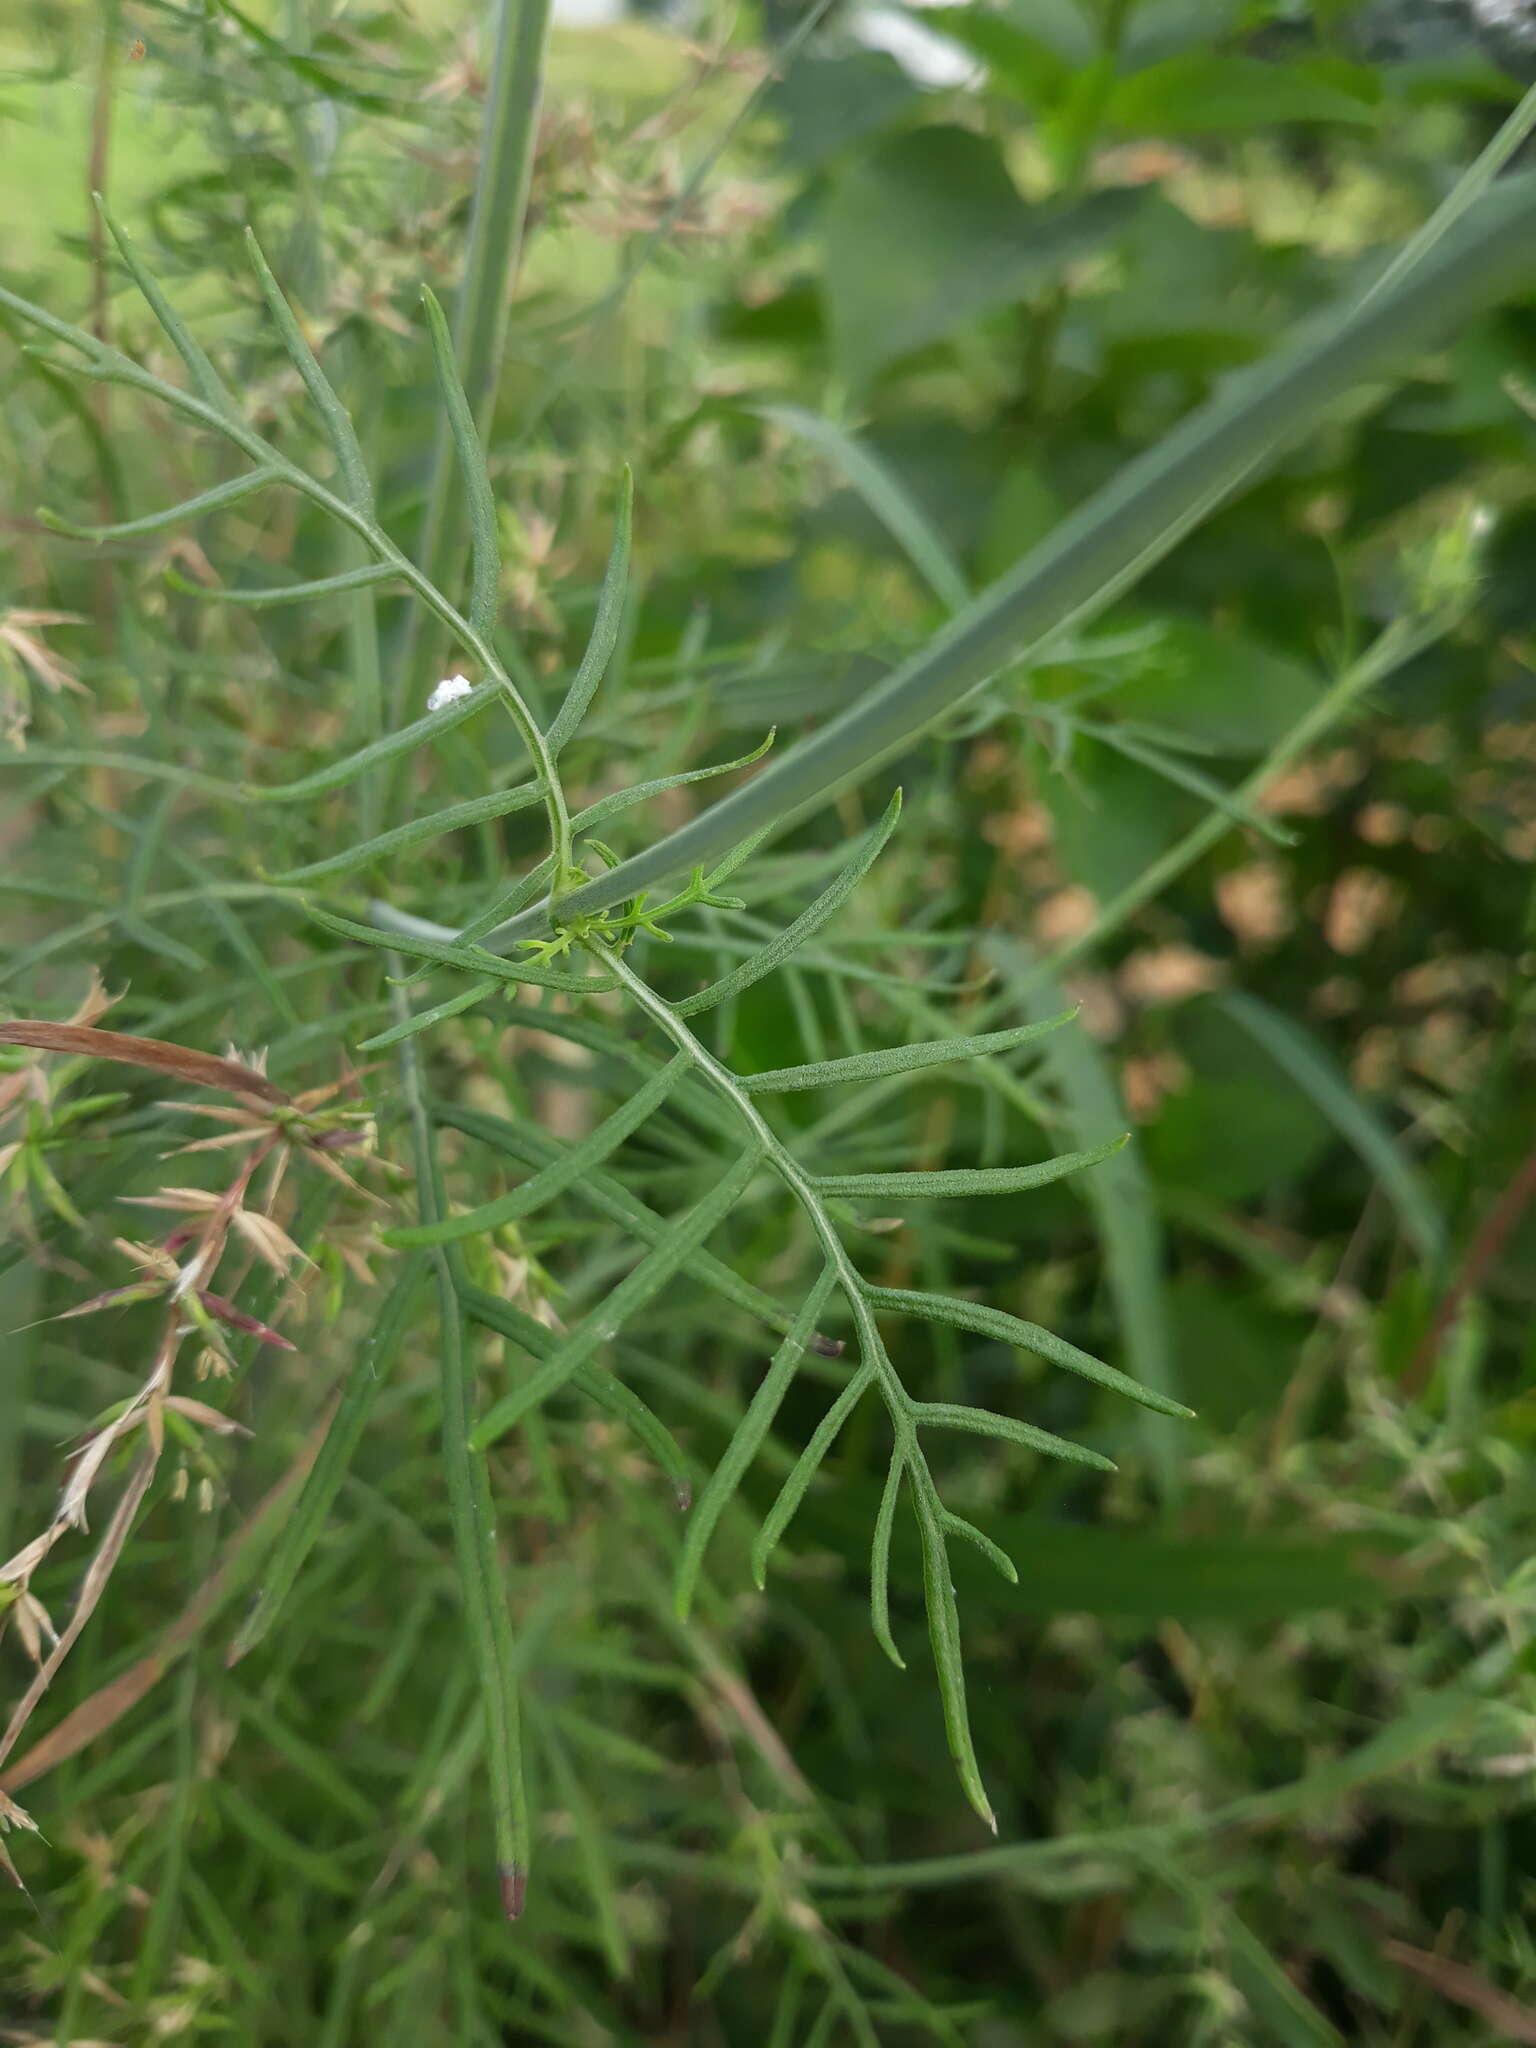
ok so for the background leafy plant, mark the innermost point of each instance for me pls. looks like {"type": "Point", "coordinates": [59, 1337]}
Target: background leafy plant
{"type": "Point", "coordinates": [1202, 1682]}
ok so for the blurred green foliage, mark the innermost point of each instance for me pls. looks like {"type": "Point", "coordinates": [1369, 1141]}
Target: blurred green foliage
{"type": "Point", "coordinates": [1258, 1719]}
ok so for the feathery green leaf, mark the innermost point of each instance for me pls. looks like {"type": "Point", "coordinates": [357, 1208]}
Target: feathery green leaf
{"type": "Point", "coordinates": [792, 1492]}
{"type": "Point", "coordinates": [805, 926]}
{"type": "Point", "coordinates": [213, 500]}
{"type": "Point", "coordinates": [899, 1059]}
{"type": "Point", "coordinates": [641, 792]}
{"type": "Point", "coordinates": [880, 1558]}
{"type": "Point", "coordinates": [206, 381]}
{"type": "Point", "coordinates": [746, 1441]}
{"type": "Point", "coordinates": [485, 547]}
{"type": "Point", "coordinates": [468, 958]}
{"type": "Point", "coordinates": [602, 1323]}
{"type": "Point", "coordinates": [944, 1637]}
{"type": "Point", "coordinates": [337, 421]}
{"type": "Point", "coordinates": [961, 1180]}
{"type": "Point", "coordinates": [361, 578]}
{"type": "Point", "coordinates": [607, 1194]}
{"type": "Point", "coordinates": [987, 1422]}
{"type": "Point", "coordinates": [598, 1384]}
{"type": "Point", "coordinates": [424, 1020]}
{"type": "Point", "coordinates": [1007, 1329]}
{"type": "Point", "coordinates": [565, 1171]}
{"type": "Point", "coordinates": [501, 803]}
{"type": "Point", "coordinates": [996, 1556]}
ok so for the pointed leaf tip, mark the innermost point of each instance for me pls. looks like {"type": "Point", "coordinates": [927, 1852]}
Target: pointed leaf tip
{"type": "Point", "coordinates": [514, 1889]}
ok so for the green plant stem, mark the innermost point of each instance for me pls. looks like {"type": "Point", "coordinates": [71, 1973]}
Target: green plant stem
{"type": "Point", "coordinates": [1468, 188]}
{"type": "Point", "coordinates": [496, 226]}
{"type": "Point", "coordinates": [471, 1510]}
{"type": "Point", "coordinates": [111, 18]}
{"type": "Point", "coordinates": [1045, 324]}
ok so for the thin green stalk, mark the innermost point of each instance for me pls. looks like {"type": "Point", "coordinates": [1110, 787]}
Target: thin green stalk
{"type": "Point", "coordinates": [481, 1583]}
{"type": "Point", "coordinates": [1398, 644]}
{"type": "Point", "coordinates": [1469, 187]}
{"type": "Point", "coordinates": [496, 227]}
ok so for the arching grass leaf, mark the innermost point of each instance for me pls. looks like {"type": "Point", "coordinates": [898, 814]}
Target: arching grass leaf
{"type": "Point", "coordinates": [1007, 1329]}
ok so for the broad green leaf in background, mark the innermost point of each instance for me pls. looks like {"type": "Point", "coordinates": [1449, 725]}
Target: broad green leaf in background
{"type": "Point", "coordinates": [1192, 297]}
{"type": "Point", "coordinates": [1226, 689]}
{"type": "Point", "coordinates": [1312, 1068]}
{"type": "Point", "coordinates": [1021, 61]}
{"type": "Point", "coordinates": [1021, 514]}
{"type": "Point", "coordinates": [1137, 1577]}
{"type": "Point", "coordinates": [1159, 29]}
{"type": "Point", "coordinates": [1236, 1137]}
{"type": "Point", "coordinates": [1204, 92]}
{"type": "Point", "coordinates": [830, 103]}
{"type": "Point", "coordinates": [1111, 817]}
{"type": "Point", "coordinates": [1068, 28]}
{"type": "Point", "coordinates": [1120, 1195]}
{"type": "Point", "coordinates": [927, 231]}
{"type": "Point", "coordinates": [1236, 1351]}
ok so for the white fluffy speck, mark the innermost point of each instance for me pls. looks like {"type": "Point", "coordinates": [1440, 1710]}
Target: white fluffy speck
{"type": "Point", "coordinates": [1514, 17]}
{"type": "Point", "coordinates": [449, 691]}
{"type": "Point", "coordinates": [929, 60]}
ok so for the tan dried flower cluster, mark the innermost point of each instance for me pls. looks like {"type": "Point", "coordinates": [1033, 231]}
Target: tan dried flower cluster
{"type": "Point", "coordinates": [25, 657]}
{"type": "Point", "coordinates": [266, 1129]}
